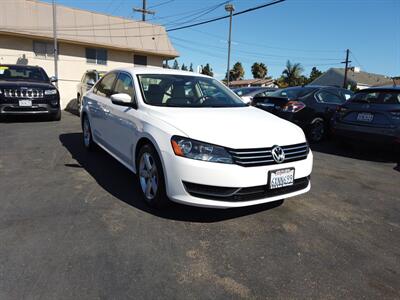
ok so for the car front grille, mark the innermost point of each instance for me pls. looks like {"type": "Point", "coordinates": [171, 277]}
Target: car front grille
{"type": "Point", "coordinates": [263, 156]}
{"type": "Point", "coordinates": [23, 93]}
{"type": "Point", "coordinates": [243, 194]}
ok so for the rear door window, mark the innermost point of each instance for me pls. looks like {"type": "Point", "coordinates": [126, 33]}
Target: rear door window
{"type": "Point", "coordinates": [378, 97]}
{"type": "Point", "coordinates": [328, 97]}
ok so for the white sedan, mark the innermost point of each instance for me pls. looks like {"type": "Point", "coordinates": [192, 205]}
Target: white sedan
{"type": "Point", "coordinates": [182, 133]}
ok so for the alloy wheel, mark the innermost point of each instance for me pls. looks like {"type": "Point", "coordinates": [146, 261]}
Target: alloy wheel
{"type": "Point", "coordinates": [148, 175]}
{"type": "Point", "coordinates": [317, 131]}
{"type": "Point", "coordinates": [86, 133]}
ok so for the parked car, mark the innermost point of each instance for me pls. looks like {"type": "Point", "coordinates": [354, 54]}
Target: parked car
{"type": "Point", "coordinates": [183, 135]}
{"type": "Point", "coordinates": [371, 115]}
{"type": "Point", "coordinates": [248, 93]}
{"type": "Point", "coordinates": [87, 82]}
{"type": "Point", "coordinates": [310, 107]}
{"type": "Point", "coordinates": [27, 90]}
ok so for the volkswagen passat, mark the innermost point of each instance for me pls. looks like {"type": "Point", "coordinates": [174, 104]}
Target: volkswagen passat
{"type": "Point", "coordinates": [183, 135]}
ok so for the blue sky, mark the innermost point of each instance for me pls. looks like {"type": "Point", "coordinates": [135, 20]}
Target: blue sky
{"type": "Point", "coordinates": [311, 32]}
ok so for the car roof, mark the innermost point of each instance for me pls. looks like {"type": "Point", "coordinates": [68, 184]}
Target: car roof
{"type": "Point", "coordinates": [157, 70]}
{"type": "Point", "coordinates": [385, 87]}
{"type": "Point", "coordinates": [15, 65]}
{"type": "Point", "coordinates": [252, 88]}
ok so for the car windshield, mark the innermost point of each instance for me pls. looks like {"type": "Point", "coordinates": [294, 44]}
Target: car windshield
{"type": "Point", "coordinates": [186, 91]}
{"type": "Point", "coordinates": [11, 73]}
{"type": "Point", "coordinates": [377, 97]}
{"type": "Point", "coordinates": [292, 92]}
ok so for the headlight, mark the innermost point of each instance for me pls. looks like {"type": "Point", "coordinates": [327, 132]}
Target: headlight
{"type": "Point", "coordinates": [50, 92]}
{"type": "Point", "coordinates": [200, 151]}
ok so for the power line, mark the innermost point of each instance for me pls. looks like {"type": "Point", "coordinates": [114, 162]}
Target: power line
{"type": "Point", "coordinates": [224, 17]}
{"type": "Point", "coordinates": [196, 15]}
{"type": "Point", "coordinates": [256, 53]}
{"type": "Point", "coordinates": [161, 3]}
{"type": "Point", "coordinates": [259, 45]}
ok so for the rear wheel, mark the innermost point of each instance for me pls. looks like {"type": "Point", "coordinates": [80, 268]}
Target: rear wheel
{"type": "Point", "coordinates": [317, 130]}
{"type": "Point", "coordinates": [56, 116]}
{"type": "Point", "coordinates": [87, 134]}
{"type": "Point", "coordinates": [151, 177]}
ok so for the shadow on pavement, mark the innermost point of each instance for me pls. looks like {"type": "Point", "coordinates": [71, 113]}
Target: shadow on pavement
{"type": "Point", "coordinates": [25, 119]}
{"type": "Point", "coordinates": [361, 151]}
{"type": "Point", "coordinates": [122, 184]}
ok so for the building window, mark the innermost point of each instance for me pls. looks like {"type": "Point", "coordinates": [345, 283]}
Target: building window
{"type": "Point", "coordinates": [140, 60]}
{"type": "Point", "coordinates": [43, 49]}
{"type": "Point", "coordinates": [96, 56]}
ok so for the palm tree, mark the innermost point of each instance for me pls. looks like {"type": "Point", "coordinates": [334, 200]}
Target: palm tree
{"type": "Point", "coordinates": [292, 73]}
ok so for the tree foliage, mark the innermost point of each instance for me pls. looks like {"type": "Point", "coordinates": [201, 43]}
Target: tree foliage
{"type": "Point", "coordinates": [259, 70]}
{"type": "Point", "coordinates": [237, 72]}
{"type": "Point", "coordinates": [184, 67]}
{"type": "Point", "coordinates": [291, 75]}
{"type": "Point", "coordinates": [191, 67]}
{"type": "Point", "coordinates": [207, 70]}
{"type": "Point", "coordinates": [314, 74]}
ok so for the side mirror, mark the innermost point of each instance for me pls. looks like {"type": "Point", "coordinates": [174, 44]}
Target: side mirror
{"type": "Point", "coordinates": [53, 79]}
{"type": "Point", "coordinates": [90, 82]}
{"type": "Point", "coordinates": [123, 100]}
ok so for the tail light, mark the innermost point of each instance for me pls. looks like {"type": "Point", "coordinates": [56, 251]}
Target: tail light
{"type": "Point", "coordinates": [293, 106]}
{"type": "Point", "coordinates": [341, 109]}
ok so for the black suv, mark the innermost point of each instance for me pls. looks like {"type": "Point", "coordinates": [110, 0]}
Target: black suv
{"type": "Point", "coordinates": [87, 82]}
{"type": "Point", "coordinates": [310, 107]}
{"type": "Point", "coordinates": [27, 90]}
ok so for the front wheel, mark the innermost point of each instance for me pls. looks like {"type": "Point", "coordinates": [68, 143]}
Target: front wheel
{"type": "Point", "coordinates": [151, 177]}
{"type": "Point", "coordinates": [56, 116]}
{"type": "Point", "coordinates": [87, 134]}
{"type": "Point", "coordinates": [317, 130]}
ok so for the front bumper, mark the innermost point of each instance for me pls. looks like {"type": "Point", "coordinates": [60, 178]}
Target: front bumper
{"type": "Point", "coordinates": [367, 133]}
{"type": "Point", "coordinates": [39, 108]}
{"type": "Point", "coordinates": [180, 171]}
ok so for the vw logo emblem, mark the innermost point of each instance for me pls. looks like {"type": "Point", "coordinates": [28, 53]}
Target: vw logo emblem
{"type": "Point", "coordinates": [278, 154]}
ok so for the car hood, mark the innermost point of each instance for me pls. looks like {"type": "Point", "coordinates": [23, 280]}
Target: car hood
{"type": "Point", "coordinates": [237, 127]}
{"type": "Point", "coordinates": [29, 84]}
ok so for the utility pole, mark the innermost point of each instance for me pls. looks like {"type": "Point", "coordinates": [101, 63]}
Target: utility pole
{"type": "Point", "coordinates": [144, 11]}
{"type": "Point", "coordinates": [346, 62]}
{"type": "Point", "coordinates": [55, 41]}
{"type": "Point", "coordinates": [229, 8]}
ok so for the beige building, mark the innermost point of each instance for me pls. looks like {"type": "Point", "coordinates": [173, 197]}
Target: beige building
{"type": "Point", "coordinates": [86, 40]}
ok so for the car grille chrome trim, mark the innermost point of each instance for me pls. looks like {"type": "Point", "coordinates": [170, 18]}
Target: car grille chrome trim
{"type": "Point", "coordinates": [263, 156]}
{"type": "Point", "coordinates": [23, 93]}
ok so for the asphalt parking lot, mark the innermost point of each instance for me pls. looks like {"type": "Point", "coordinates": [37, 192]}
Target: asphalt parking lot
{"type": "Point", "coordinates": [72, 226]}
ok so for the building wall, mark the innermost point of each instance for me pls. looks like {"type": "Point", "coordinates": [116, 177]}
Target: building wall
{"type": "Point", "coordinates": [71, 65]}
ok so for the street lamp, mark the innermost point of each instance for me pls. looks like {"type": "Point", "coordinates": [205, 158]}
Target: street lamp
{"type": "Point", "coordinates": [229, 8]}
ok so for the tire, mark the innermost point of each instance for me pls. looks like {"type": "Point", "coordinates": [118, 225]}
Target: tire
{"type": "Point", "coordinates": [87, 134]}
{"type": "Point", "coordinates": [317, 130]}
{"type": "Point", "coordinates": [151, 177]}
{"type": "Point", "coordinates": [56, 116]}
{"type": "Point", "coordinates": [79, 103]}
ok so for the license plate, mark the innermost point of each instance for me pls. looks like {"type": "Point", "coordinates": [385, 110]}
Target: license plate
{"type": "Point", "coordinates": [281, 178]}
{"type": "Point", "coordinates": [25, 102]}
{"type": "Point", "coordinates": [365, 117]}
